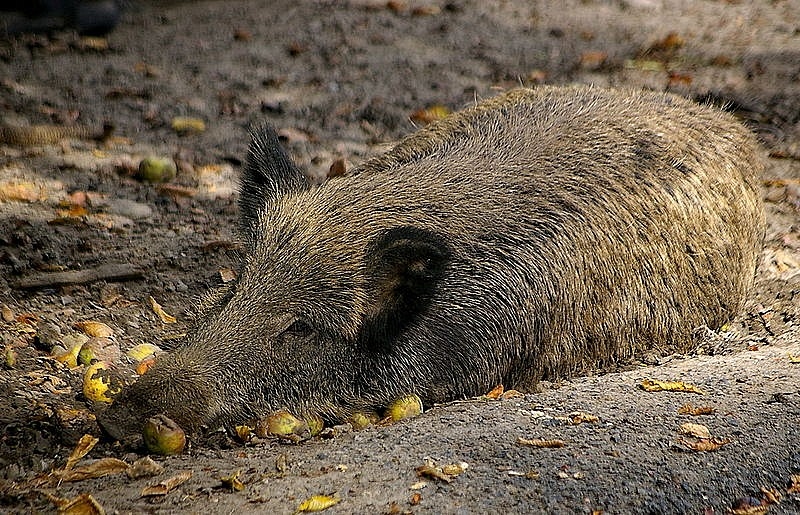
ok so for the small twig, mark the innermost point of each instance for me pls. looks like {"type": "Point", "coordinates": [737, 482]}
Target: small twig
{"type": "Point", "coordinates": [112, 272]}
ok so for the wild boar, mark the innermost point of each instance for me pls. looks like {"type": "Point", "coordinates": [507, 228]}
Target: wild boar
{"type": "Point", "coordinates": [534, 235]}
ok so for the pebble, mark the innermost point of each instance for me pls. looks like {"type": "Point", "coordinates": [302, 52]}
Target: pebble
{"type": "Point", "coordinates": [129, 208]}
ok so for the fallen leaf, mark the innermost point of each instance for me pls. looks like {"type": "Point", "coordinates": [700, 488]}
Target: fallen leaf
{"type": "Point", "coordinates": [142, 351]}
{"type": "Point", "coordinates": [431, 114]}
{"type": "Point", "coordinates": [671, 41]}
{"type": "Point", "coordinates": [696, 430]}
{"type": "Point", "coordinates": [704, 444]}
{"type": "Point", "coordinates": [549, 444]}
{"type": "Point", "coordinates": [232, 482]}
{"type": "Point", "coordinates": [748, 506]}
{"type": "Point", "coordinates": [242, 35]}
{"type": "Point", "coordinates": [795, 487]}
{"type": "Point", "coordinates": [433, 472]}
{"type": "Point", "coordinates": [593, 60]}
{"type": "Point", "coordinates": [794, 359]}
{"type": "Point", "coordinates": [8, 314]}
{"type": "Point", "coordinates": [84, 504]}
{"type": "Point", "coordinates": [654, 385]}
{"type": "Point", "coordinates": [770, 496]}
{"type": "Point", "coordinates": [679, 79]}
{"type": "Point", "coordinates": [426, 10]}
{"type": "Point", "coordinates": [84, 446]}
{"type": "Point", "coordinates": [21, 192]}
{"type": "Point", "coordinates": [511, 394]}
{"type": "Point", "coordinates": [99, 468]}
{"type": "Point", "coordinates": [579, 417]}
{"type": "Point", "coordinates": [164, 487]}
{"type": "Point", "coordinates": [415, 499]}
{"type": "Point", "coordinates": [187, 125]}
{"type": "Point", "coordinates": [688, 409]}
{"type": "Point", "coordinates": [227, 275]}
{"type": "Point", "coordinates": [496, 392]}
{"type": "Point", "coordinates": [144, 467]}
{"type": "Point", "coordinates": [318, 503]}
{"type": "Point", "coordinates": [158, 310]}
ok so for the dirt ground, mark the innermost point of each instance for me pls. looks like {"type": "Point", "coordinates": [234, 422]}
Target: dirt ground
{"type": "Point", "coordinates": [343, 79]}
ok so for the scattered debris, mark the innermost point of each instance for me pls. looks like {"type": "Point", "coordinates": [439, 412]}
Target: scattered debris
{"type": "Point", "coordinates": [654, 385]}
{"type": "Point", "coordinates": [111, 272]}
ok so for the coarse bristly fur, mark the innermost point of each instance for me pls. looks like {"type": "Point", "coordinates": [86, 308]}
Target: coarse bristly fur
{"type": "Point", "coordinates": [536, 235]}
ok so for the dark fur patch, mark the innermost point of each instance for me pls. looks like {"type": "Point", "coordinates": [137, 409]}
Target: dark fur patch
{"type": "Point", "coordinates": [404, 265]}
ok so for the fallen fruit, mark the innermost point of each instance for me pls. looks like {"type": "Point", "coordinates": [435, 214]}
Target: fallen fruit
{"type": "Point", "coordinates": [163, 436]}
{"type": "Point", "coordinates": [282, 423]}
{"type": "Point", "coordinates": [361, 419]}
{"type": "Point", "coordinates": [98, 349]}
{"type": "Point", "coordinates": [100, 383]}
{"type": "Point", "coordinates": [157, 169]}
{"type": "Point", "coordinates": [405, 407]}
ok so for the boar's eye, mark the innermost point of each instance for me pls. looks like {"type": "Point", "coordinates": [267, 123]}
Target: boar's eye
{"type": "Point", "coordinates": [299, 329]}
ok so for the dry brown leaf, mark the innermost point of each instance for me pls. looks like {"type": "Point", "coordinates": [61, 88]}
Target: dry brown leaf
{"type": "Point", "coordinates": [431, 114]}
{"type": "Point", "coordinates": [318, 503]}
{"type": "Point", "coordinates": [696, 430]}
{"type": "Point", "coordinates": [84, 504]}
{"type": "Point", "coordinates": [679, 79]}
{"type": "Point", "coordinates": [794, 359]}
{"type": "Point", "coordinates": [795, 487]}
{"type": "Point", "coordinates": [227, 275]}
{"type": "Point", "coordinates": [21, 192]}
{"type": "Point", "coordinates": [579, 417]}
{"type": "Point", "coordinates": [688, 409]}
{"type": "Point", "coordinates": [84, 446]}
{"type": "Point", "coordinates": [233, 482]}
{"type": "Point", "coordinates": [186, 125]}
{"type": "Point", "coordinates": [94, 328]}
{"type": "Point", "coordinates": [546, 444]}
{"type": "Point", "coordinates": [433, 472]}
{"type": "Point", "coordinates": [144, 467]}
{"type": "Point", "coordinates": [426, 10]}
{"type": "Point", "coordinates": [593, 59]}
{"type": "Point", "coordinates": [99, 468]}
{"type": "Point", "coordinates": [164, 487]}
{"type": "Point", "coordinates": [748, 506]}
{"type": "Point", "coordinates": [704, 444]}
{"type": "Point", "coordinates": [158, 310]}
{"type": "Point", "coordinates": [8, 314]}
{"type": "Point", "coordinates": [770, 495]}
{"type": "Point", "coordinates": [495, 392]}
{"type": "Point", "coordinates": [654, 385]}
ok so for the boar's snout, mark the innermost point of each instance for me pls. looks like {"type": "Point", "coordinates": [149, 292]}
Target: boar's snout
{"type": "Point", "coordinates": [188, 398]}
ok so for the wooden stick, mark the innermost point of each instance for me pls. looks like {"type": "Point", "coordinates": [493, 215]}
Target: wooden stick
{"type": "Point", "coordinates": [111, 272]}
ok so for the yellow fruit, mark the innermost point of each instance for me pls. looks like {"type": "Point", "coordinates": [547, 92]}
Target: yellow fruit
{"type": "Point", "coordinates": [163, 436]}
{"type": "Point", "coordinates": [157, 169]}
{"type": "Point", "coordinates": [361, 419]}
{"type": "Point", "coordinates": [315, 424]}
{"type": "Point", "coordinates": [100, 383]}
{"type": "Point", "coordinates": [405, 407]}
{"type": "Point", "coordinates": [98, 349]}
{"type": "Point", "coordinates": [283, 423]}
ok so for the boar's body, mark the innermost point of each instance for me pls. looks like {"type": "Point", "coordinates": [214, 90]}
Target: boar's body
{"type": "Point", "coordinates": [536, 235]}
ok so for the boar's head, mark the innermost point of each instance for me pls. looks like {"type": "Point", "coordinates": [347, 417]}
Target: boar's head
{"type": "Point", "coordinates": [312, 322]}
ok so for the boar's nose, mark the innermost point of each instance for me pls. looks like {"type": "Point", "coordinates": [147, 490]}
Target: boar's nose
{"type": "Point", "coordinates": [122, 422]}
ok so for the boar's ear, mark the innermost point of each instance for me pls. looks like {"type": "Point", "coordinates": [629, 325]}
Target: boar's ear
{"type": "Point", "coordinates": [404, 266]}
{"type": "Point", "coordinates": [268, 174]}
